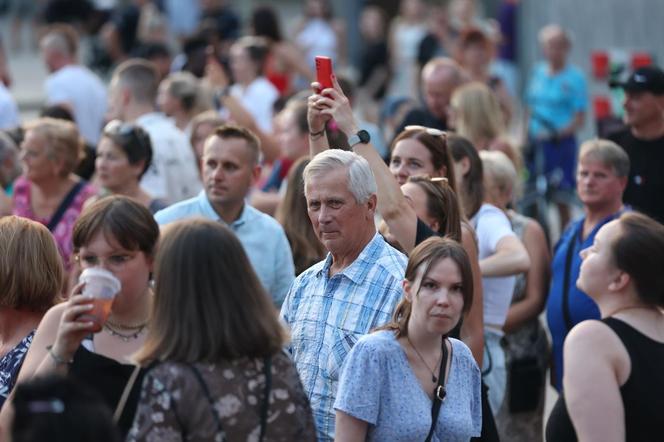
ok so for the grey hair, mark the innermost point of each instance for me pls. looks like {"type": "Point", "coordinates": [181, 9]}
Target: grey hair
{"type": "Point", "coordinates": [361, 180]}
{"type": "Point", "coordinates": [552, 31]}
{"type": "Point", "coordinates": [608, 153]}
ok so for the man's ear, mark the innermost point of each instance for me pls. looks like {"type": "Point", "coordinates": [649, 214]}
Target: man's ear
{"type": "Point", "coordinates": [256, 173]}
{"type": "Point", "coordinates": [371, 203]}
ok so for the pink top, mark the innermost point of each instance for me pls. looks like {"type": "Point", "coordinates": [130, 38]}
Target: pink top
{"type": "Point", "coordinates": [63, 231]}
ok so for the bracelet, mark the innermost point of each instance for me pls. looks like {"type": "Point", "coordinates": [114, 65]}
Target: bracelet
{"type": "Point", "coordinates": [58, 360]}
{"type": "Point", "coordinates": [315, 135]}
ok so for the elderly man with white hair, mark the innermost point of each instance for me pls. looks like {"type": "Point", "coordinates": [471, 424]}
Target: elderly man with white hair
{"type": "Point", "coordinates": [355, 289]}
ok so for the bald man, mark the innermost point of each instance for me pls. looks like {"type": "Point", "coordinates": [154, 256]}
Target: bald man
{"type": "Point", "coordinates": [70, 84]}
{"type": "Point", "coordinates": [439, 78]}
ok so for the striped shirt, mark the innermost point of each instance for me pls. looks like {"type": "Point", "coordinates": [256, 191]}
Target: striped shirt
{"type": "Point", "coordinates": [327, 315]}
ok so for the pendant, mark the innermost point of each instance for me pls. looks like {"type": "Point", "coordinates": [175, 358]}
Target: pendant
{"type": "Point", "coordinates": [434, 379]}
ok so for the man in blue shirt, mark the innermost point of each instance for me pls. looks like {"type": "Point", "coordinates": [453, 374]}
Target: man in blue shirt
{"type": "Point", "coordinates": [355, 289]}
{"type": "Point", "coordinates": [230, 166]}
{"type": "Point", "coordinates": [600, 181]}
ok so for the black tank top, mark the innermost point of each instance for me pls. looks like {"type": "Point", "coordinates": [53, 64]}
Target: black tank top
{"type": "Point", "coordinates": [642, 394]}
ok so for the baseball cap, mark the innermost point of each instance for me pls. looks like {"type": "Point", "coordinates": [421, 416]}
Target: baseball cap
{"type": "Point", "coordinates": [644, 79]}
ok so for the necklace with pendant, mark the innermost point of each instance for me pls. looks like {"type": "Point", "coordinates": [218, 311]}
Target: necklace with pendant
{"type": "Point", "coordinates": [126, 337]}
{"type": "Point", "coordinates": [434, 378]}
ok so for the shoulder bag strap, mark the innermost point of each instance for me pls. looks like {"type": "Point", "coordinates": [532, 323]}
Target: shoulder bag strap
{"type": "Point", "coordinates": [64, 205]}
{"type": "Point", "coordinates": [208, 396]}
{"type": "Point", "coordinates": [440, 392]}
{"type": "Point", "coordinates": [567, 316]}
{"type": "Point", "coordinates": [125, 394]}
{"type": "Point", "coordinates": [266, 396]}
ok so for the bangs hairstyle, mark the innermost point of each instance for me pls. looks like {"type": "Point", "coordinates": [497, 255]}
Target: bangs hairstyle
{"type": "Point", "coordinates": [425, 256]}
{"type": "Point", "coordinates": [442, 205]}
{"type": "Point", "coordinates": [31, 269]}
{"type": "Point", "coordinates": [209, 304]}
{"type": "Point", "coordinates": [121, 220]}
{"type": "Point", "coordinates": [639, 252]}
{"type": "Point", "coordinates": [437, 147]}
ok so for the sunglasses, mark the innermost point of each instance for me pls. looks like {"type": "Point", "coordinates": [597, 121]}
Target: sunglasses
{"type": "Point", "coordinates": [123, 133]}
{"type": "Point", "coordinates": [428, 130]}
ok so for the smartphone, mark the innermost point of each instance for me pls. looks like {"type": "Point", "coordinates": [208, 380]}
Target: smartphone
{"type": "Point", "coordinates": [324, 71]}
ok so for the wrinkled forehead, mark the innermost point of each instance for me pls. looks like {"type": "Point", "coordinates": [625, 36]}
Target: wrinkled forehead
{"type": "Point", "coordinates": [327, 182]}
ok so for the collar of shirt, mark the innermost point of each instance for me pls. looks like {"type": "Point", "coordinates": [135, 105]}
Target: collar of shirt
{"type": "Point", "coordinates": [208, 212]}
{"type": "Point", "coordinates": [359, 269]}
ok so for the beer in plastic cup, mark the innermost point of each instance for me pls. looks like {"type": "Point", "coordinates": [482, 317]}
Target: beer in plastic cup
{"type": "Point", "coordinates": [102, 286]}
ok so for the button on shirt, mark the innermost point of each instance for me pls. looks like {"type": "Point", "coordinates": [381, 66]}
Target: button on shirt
{"type": "Point", "coordinates": [262, 237]}
{"type": "Point", "coordinates": [327, 315]}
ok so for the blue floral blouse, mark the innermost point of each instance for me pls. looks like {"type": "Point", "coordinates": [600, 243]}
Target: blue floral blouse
{"type": "Point", "coordinates": [10, 364]}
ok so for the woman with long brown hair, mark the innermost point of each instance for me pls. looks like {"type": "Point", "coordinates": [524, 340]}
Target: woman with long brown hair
{"type": "Point", "coordinates": [394, 379]}
{"type": "Point", "coordinates": [214, 348]}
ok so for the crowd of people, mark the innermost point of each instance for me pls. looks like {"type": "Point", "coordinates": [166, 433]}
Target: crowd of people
{"type": "Point", "coordinates": [302, 262]}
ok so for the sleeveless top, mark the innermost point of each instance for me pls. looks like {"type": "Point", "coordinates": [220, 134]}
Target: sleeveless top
{"type": "Point", "coordinates": [109, 378]}
{"type": "Point", "coordinates": [642, 394]}
{"type": "Point", "coordinates": [10, 364]}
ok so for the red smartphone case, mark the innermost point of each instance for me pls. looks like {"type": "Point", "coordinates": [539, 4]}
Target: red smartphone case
{"type": "Point", "coordinates": [324, 71]}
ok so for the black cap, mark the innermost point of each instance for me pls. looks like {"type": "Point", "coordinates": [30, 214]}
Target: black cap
{"type": "Point", "coordinates": [645, 79]}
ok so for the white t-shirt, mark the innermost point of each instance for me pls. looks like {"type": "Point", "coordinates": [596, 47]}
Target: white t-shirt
{"type": "Point", "coordinates": [173, 175]}
{"type": "Point", "coordinates": [492, 225]}
{"type": "Point", "coordinates": [258, 98]}
{"type": "Point", "coordinates": [86, 94]}
{"type": "Point", "coordinates": [9, 117]}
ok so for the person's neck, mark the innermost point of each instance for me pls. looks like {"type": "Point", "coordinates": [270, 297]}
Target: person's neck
{"type": "Point", "coordinates": [594, 215]}
{"type": "Point", "coordinates": [245, 84]}
{"type": "Point", "coordinates": [130, 189]}
{"type": "Point", "coordinates": [16, 324]}
{"type": "Point", "coordinates": [620, 302]}
{"type": "Point", "coordinates": [54, 187]}
{"type": "Point", "coordinates": [649, 131]}
{"type": "Point", "coordinates": [422, 340]}
{"type": "Point", "coordinates": [556, 67]}
{"type": "Point", "coordinates": [136, 111]}
{"type": "Point", "coordinates": [345, 258]}
{"type": "Point", "coordinates": [137, 315]}
{"type": "Point", "coordinates": [229, 212]}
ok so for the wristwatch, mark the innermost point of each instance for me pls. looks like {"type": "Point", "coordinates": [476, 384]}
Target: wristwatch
{"type": "Point", "coordinates": [361, 136]}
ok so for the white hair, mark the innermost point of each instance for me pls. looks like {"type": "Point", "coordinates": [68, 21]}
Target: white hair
{"type": "Point", "coordinates": [361, 180]}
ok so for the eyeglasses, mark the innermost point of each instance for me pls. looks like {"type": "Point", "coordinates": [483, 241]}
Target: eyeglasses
{"type": "Point", "coordinates": [428, 130]}
{"type": "Point", "coordinates": [113, 262]}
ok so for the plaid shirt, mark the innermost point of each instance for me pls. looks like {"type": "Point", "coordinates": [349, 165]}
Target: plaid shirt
{"type": "Point", "coordinates": [327, 316]}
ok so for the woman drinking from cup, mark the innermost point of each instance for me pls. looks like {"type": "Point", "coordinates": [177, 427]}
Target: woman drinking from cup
{"type": "Point", "coordinates": [395, 379]}
{"type": "Point", "coordinates": [115, 236]}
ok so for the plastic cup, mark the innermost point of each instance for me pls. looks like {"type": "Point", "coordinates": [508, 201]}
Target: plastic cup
{"type": "Point", "coordinates": [102, 286]}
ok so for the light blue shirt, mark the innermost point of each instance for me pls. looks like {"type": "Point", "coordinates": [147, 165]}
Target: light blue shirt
{"type": "Point", "coordinates": [262, 237]}
{"type": "Point", "coordinates": [327, 315]}
{"type": "Point", "coordinates": [378, 386]}
{"type": "Point", "coordinates": [555, 98]}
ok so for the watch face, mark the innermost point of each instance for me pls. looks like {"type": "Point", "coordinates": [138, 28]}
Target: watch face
{"type": "Point", "coordinates": [364, 137]}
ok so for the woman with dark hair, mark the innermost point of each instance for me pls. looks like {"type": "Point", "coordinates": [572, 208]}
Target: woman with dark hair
{"type": "Point", "coordinates": [284, 60]}
{"type": "Point", "coordinates": [613, 385]}
{"type": "Point", "coordinates": [124, 154]}
{"type": "Point", "coordinates": [217, 369]}
{"type": "Point", "coordinates": [392, 376]}
{"type": "Point", "coordinates": [118, 235]}
{"type": "Point", "coordinates": [293, 216]}
{"type": "Point", "coordinates": [32, 276]}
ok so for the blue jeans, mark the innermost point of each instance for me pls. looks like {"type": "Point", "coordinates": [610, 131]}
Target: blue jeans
{"type": "Point", "coordinates": [494, 371]}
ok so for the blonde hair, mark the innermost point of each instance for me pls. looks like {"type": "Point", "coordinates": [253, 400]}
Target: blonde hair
{"type": "Point", "coordinates": [608, 153]}
{"type": "Point", "coordinates": [479, 116]}
{"type": "Point", "coordinates": [500, 168]}
{"type": "Point", "coordinates": [62, 140]}
{"type": "Point", "coordinates": [30, 266]}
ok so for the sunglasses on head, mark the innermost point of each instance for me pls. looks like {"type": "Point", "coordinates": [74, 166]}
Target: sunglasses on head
{"type": "Point", "coordinates": [429, 130]}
